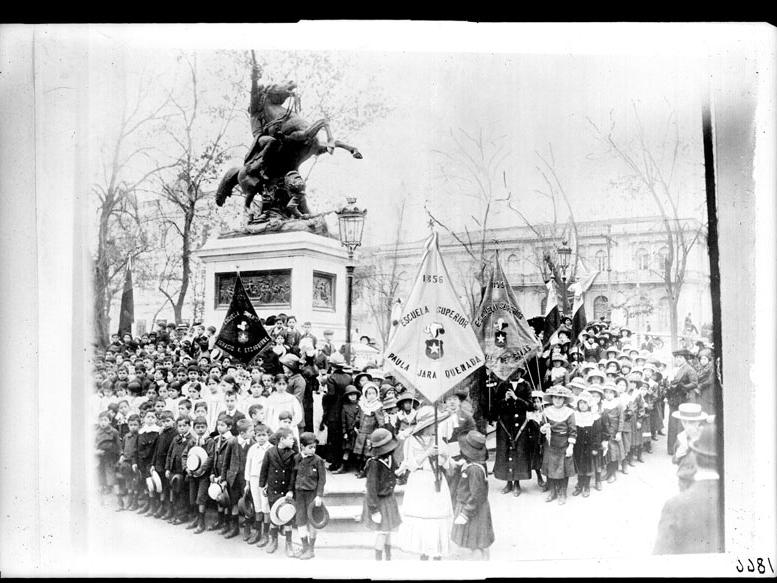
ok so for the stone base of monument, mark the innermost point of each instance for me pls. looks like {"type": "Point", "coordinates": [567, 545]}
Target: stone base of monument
{"type": "Point", "coordinates": [291, 272]}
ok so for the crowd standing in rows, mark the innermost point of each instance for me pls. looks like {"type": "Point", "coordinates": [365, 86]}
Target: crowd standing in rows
{"type": "Point", "coordinates": [183, 427]}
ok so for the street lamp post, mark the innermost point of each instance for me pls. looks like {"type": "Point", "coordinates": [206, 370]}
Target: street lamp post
{"type": "Point", "coordinates": [562, 258]}
{"type": "Point", "coordinates": [350, 219]}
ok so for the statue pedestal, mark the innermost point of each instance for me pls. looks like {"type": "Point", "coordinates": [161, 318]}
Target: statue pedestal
{"type": "Point", "coordinates": [297, 273]}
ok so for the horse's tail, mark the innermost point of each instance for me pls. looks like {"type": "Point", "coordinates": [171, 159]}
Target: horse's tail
{"type": "Point", "coordinates": [228, 182]}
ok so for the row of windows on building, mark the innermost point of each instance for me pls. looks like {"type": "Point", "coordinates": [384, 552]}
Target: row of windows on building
{"type": "Point", "coordinates": [644, 261]}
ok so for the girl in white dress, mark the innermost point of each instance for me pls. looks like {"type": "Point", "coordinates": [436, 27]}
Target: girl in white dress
{"type": "Point", "coordinates": [427, 515]}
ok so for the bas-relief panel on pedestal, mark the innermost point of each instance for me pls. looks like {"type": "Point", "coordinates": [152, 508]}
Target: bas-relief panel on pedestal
{"type": "Point", "coordinates": [271, 288]}
{"type": "Point", "coordinates": [323, 291]}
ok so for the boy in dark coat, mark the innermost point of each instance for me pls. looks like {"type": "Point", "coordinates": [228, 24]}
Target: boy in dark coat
{"type": "Point", "coordinates": [223, 426]}
{"type": "Point", "coordinates": [147, 436]}
{"type": "Point", "coordinates": [308, 478]}
{"type": "Point", "coordinates": [175, 468]}
{"type": "Point", "coordinates": [233, 471]}
{"type": "Point", "coordinates": [349, 418]}
{"type": "Point", "coordinates": [128, 465]}
{"type": "Point", "coordinates": [199, 480]}
{"type": "Point", "coordinates": [275, 477]}
{"type": "Point", "coordinates": [163, 443]}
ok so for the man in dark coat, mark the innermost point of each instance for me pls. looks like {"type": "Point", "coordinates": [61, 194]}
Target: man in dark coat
{"type": "Point", "coordinates": [332, 404]}
{"type": "Point", "coordinates": [513, 459]}
{"type": "Point", "coordinates": [682, 389]}
{"type": "Point", "coordinates": [689, 520]}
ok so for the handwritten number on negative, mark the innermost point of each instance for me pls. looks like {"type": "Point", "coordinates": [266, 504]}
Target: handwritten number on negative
{"type": "Point", "coordinates": [758, 566]}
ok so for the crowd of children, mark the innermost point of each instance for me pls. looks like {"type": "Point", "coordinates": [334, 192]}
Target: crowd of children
{"type": "Point", "coordinates": [182, 427]}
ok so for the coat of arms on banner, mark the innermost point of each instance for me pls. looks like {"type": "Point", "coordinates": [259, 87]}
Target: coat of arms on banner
{"type": "Point", "coordinates": [434, 345]}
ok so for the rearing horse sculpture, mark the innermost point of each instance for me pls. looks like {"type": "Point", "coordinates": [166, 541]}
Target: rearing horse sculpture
{"type": "Point", "coordinates": [282, 142]}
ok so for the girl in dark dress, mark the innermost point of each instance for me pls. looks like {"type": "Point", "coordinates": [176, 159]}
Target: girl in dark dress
{"type": "Point", "coordinates": [535, 438]}
{"type": "Point", "coordinates": [513, 444]}
{"type": "Point", "coordinates": [589, 438]}
{"type": "Point", "coordinates": [472, 528]}
{"type": "Point", "coordinates": [380, 511]}
{"type": "Point", "coordinates": [560, 431]}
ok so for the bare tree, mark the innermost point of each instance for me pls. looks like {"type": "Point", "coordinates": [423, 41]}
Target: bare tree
{"type": "Point", "coordinates": [549, 235]}
{"type": "Point", "coordinates": [654, 171]}
{"type": "Point", "coordinates": [472, 169]}
{"type": "Point", "coordinates": [184, 207]}
{"type": "Point", "coordinates": [120, 232]}
{"type": "Point", "coordinates": [378, 278]}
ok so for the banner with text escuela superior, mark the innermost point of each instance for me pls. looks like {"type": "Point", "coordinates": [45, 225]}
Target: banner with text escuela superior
{"type": "Point", "coordinates": [434, 346]}
{"type": "Point", "coordinates": [242, 334]}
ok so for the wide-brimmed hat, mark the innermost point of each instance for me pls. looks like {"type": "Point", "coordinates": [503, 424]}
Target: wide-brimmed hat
{"type": "Point", "coordinates": [196, 459]}
{"type": "Point", "coordinates": [558, 356]}
{"type": "Point", "coordinates": [596, 389]}
{"type": "Point", "coordinates": [214, 490]}
{"type": "Point", "coordinates": [705, 446]}
{"type": "Point", "coordinates": [625, 357]}
{"type": "Point", "coordinates": [156, 481]}
{"type": "Point", "coordinates": [587, 366]}
{"type": "Point", "coordinates": [359, 375]}
{"type": "Point", "coordinates": [559, 391]}
{"type": "Point", "coordinates": [337, 360]}
{"type": "Point", "coordinates": [611, 387]}
{"type": "Point", "coordinates": [371, 385]}
{"type": "Point", "coordinates": [382, 442]}
{"type": "Point", "coordinates": [350, 390]}
{"type": "Point", "coordinates": [245, 506]}
{"type": "Point", "coordinates": [318, 516]}
{"type": "Point", "coordinates": [584, 396]}
{"type": "Point", "coordinates": [282, 512]}
{"type": "Point", "coordinates": [594, 373]}
{"type": "Point", "coordinates": [577, 383]}
{"type": "Point", "coordinates": [537, 394]}
{"type": "Point", "coordinates": [473, 446]}
{"type": "Point", "coordinates": [176, 482]}
{"type": "Point", "coordinates": [389, 403]}
{"type": "Point", "coordinates": [425, 417]}
{"type": "Point", "coordinates": [689, 412]}
{"type": "Point", "coordinates": [407, 397]}
{"type": "Point", "coordinates": [610, 362]}
{"type": "Point", "coordinates": [642, 355]}
{"type": "Point", "coordinates": [291, 361]}
{"type": "Point", "coordinates": [684, 352]}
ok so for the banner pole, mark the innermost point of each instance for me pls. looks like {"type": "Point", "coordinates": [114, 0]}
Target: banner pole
{"type": "Point", "coordinates": [436, 444]}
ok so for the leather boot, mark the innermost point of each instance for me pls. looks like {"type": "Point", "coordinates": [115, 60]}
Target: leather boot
{"type": "Point", "coordinates": [194, 523]}
{"type": "Point", "coordinates": [234, 530]}
{"type": "Point", "coordinates": [161, 510]}
{"type": "Point", "coordinates": [200, 523]}
{"type": "Point", "coordinates": [386, 550]}
{"type": "Point", "coordinates": [227, 526]}
{"type": "Point", "coordinates": [272, 546]}
{"type": "Point", "coordinates": [562, 498]}
{"type": "Point", "coordinates": [219, 524]}
{"type": "Point", "coordinates": [508, 487]}
{"type": "Point", "coordinates": [623, 466]}
{"type": "Point", "coordinates": [578, 487]}
{"type": "Point", "coordinates": [252, 540]}
{"type": "Point", "coordinates": [153, 505]}
{"type": "Point", "coordinates": [612, 472]}
{"type": "Point", "coordinates": [516, 489]}
{"type": "Point", "coordinates": [246, 530]}
{"type": "Point", "coordinates": [553, 490]}
{"type": "Point", "coordinates": [587, 487]}
{"type": "Point", "coordinates": [598, 481]}
{"type": "Point", "coordinates": [307, 550]}
{"type": "Point", "coordinates": [630, 458]}
{"type": "Point", "coordinates": [648, 447]}
{"type": "Point", "coordinates": [133, 502]}
{"type": "Point", "coordinates": [264, 529]}
{"type": "Point", "coordinates": [639, 455]}
{"type": "Point", "coordinates": [290, 552]}
{"type": "Point", "coordinates": [540, 482]}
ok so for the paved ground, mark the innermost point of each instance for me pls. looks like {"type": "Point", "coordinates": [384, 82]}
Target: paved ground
{"type": "Point", "coordinates": [620, 521]}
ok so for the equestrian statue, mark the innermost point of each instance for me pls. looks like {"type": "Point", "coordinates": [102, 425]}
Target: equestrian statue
{"type": "Point", "coordinates": [282, 142]}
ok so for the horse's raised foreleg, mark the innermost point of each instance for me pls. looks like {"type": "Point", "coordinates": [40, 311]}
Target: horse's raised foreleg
{"type": "Point", "coordinates": [354, 151]}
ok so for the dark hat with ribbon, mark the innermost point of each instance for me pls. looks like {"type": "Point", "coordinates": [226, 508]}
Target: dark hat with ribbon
{"type": "Point", "coordinates": [318, 516]}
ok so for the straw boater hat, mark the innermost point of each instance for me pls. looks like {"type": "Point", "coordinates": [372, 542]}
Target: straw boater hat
{"type": "Point", "coordinates": [195, 460]}
{"type": "Point", "coordinates": [382, 442]}
{"type": "Point", "coordinates": [473, 446]}
{"type": "Point", "coordinates": [176, 482]}
{"type": "Point", "coordinates": [425, 417]}
{"type": "Point", "coordinates": [578, 384]}
{"type": "Point", "coordinates": [282, 512]}
{"type": "Point", "coordinates": [689, 412]}
{"type": "Point", "coordinates": [214, 490]}
{"type": "Point", "coordinates": [596, 389]}
{"type": "Point", "coordinates": [154, 481]}
{"type": "Point", "coordinates": [559, 391]}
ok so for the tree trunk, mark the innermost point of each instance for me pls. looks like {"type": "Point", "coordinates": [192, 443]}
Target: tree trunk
{"type": "Point", "coordinates": [673, 322]}
{"type": "Point", "coordinates": [186, 258]}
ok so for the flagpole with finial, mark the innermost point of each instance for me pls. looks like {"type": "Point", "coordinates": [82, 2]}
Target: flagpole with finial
{"type": "Point", "coordinates": [437, 482]}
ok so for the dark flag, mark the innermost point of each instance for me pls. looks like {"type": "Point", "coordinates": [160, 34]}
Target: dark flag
{"type": "Point", "coordinates": [127, 313]}
{"type": "Point", "coordinates": [552, 316]}
{"type": "Point", "coordinates": [242, 334]}
{"type": "Point", "coordinates": [505, 335]}
{"type": "Point", "coordinates": [578, 310]}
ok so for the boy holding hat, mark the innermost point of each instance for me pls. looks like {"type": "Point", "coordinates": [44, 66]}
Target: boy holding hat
{"type": "Point", "coordinates": [275, 479]}
{"type": "Point", "coordinates": [253, 469]}
{"type": "Point", "coordinates": [162, 447]}
{"type": "Point", "coordinates": [221, 442]}
{"type": "Point", "coordinates": [233, 473]}
{"type": "Point", "coordinates": [199, 478]}
{"type": "Point", "coordinates": [308, 477]}
{"type": "Point", "coordinates": [175, 466]}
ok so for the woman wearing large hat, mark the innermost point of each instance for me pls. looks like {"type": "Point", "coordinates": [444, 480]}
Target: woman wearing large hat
{"type": "Point", "coordinates": [380, 511]}
{"type": "Point", "coordinates": [472, 527]}
{"type": "Point", "coordinates": [560, 432]}
{"type": "Point", "coordinates": [426, 513]}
